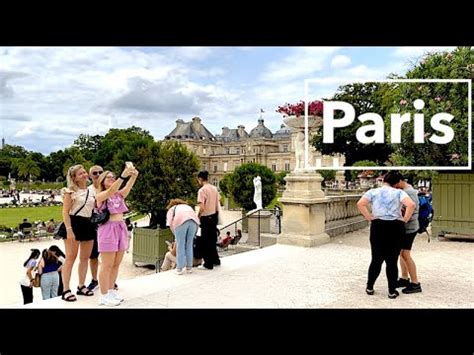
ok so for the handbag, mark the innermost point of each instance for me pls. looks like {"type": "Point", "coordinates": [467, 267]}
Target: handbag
{"type": "Point", "coordinates": [101, 217]}
{"type": "Point", "coordinates": [37, 280]}
{"type": "Point", "coordinates": [60, 232]}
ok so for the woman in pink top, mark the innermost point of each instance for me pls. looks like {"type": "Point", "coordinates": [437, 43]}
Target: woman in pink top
{"type": "Point", "coordinates": [112, 236]}
{"type": "Point", "coordinates": [184, 223]}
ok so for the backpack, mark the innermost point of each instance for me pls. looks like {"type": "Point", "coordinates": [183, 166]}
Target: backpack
{"type": "Point", "coordinates": [425, 213]}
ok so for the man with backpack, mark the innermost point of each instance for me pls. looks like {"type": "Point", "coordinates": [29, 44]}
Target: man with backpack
{"type": "Point", "coordinates": [411, 230]}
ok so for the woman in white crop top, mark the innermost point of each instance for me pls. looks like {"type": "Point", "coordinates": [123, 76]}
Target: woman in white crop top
{"type": "Point", "coordinates": [78, 205]}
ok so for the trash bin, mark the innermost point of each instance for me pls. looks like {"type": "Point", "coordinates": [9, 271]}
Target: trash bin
{"type": "Point", "coordinates": [149, 246]}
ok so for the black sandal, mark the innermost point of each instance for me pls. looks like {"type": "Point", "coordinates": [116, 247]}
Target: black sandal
{"type": "Point", "coordinates": [70, 298]}
{"type": "Point", "coordinates": [80, 291]}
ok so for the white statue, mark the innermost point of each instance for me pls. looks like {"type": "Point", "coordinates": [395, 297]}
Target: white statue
{"type": "Point", "coordinates": [299, 150]}
{"type": "Point", "coordinates": [257, 197]}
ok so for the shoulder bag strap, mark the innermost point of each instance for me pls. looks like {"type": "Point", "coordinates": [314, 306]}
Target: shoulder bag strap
{"type": "Point", "coordinates": [79, 210]}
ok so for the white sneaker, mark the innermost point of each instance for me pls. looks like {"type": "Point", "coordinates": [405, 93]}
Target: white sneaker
{"type": "Point", "coordinates": [178, 271]}
{"type": "Point", "coordinates": [202, 267]}
{"type": "Point", "coordinates": [189, 271]}
{"type": "Point", "coordinates": [108, 301]}
{"type": "Point", "coordinates": [115, 295]}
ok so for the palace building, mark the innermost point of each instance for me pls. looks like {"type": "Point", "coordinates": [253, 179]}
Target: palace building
{"type": "Point", "coordinates": [222, 153]}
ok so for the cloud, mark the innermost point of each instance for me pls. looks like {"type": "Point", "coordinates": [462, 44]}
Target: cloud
{"type": "Point", "coordinates": [300, 63]}
{"type": "Point", "coordinates": [18, 118]}
{"type": "Point", "coordinates": [144, 95]}
{"type": "Point", "coordinates": [191, 53]}
{"type": "Point", "coordinates": [6, 90]}
{"type": "Point", "coordinates": [340, 61]}
{"type": "Point", "coordinates": [27, 129]}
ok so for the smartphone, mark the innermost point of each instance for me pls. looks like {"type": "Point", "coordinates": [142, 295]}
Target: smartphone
{"type": "Point", "coordinates": [129, 164]}
{"type": "Point", "coordinates": [167, 242]}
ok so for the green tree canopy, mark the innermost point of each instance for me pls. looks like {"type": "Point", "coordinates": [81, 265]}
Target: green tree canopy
{"type": "Point", "coordinates": [121, 145]}
{"type": "Point", "coordinates": [225, 184]}
{"type": "Point", "coordinates": [167, 170]}
{"type": "Point", "coordinates": [355, 173]}
{"type": "Point", "coordinates": [438, 97]}
{"type": "Point", "coordinates": [26, 168]}
{"type": "Point", "coordinates": [367, 97]}
{"type": "Point", "coordinates": [242, 185]}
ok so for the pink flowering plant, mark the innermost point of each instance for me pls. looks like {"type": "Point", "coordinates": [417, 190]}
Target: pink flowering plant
{"type": "Point", "coordinates": [315, 108]}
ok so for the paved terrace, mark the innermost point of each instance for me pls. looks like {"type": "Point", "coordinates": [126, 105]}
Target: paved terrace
{"type": "Point", "coordinates": [329, 276]}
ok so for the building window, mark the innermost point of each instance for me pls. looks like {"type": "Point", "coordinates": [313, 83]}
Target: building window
{"type": "Point", "coordinates": [285, 148]}
{"type": "Point", "coordinates": [274, 166]}
{"type": "Point", "coordinates": [203, 150]}
{"type": "Point", "coordinates": [237, 150]}
{"type": "Point", "coordinates": [204, 167]}
{"type": "Point", "coordinates": [287, 165]}
{"type": "Point", "coordinates": [227, 151]}
{"type": "Point", "coordinates": [214, 181]}
{"type": "Point", "coordinates": [213, 151]}
{"type": "Point", "coordinates": [215, 168]}
{"type": "Point", "coordinates": [225, 166]}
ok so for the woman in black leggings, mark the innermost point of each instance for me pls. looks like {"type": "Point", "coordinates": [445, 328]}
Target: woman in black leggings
{"type": "Point", "coordinates": [386, 229]}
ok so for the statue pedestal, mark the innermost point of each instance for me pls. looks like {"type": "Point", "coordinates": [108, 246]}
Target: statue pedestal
{"type": "Point", "coordinates": [304, 206]}
{"type": "Point", "coordinates": [258, 223]}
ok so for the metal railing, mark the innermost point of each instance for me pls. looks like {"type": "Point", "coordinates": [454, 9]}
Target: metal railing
{"type": "Point", "coordinates": [278, 213]}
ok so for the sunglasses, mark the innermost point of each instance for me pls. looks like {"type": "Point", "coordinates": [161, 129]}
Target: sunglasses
{"type": "Point", "coordinates": [97, 173]}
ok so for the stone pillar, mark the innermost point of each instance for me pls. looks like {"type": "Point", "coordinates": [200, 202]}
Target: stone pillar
{"type": "Point", "coordinates": [304, 205]}
{"type": "Point", "coordinates": [265, 219]}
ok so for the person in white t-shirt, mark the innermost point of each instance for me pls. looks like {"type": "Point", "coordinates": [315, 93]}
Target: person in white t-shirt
{"type": "Point", "coordinates": [27, 278]}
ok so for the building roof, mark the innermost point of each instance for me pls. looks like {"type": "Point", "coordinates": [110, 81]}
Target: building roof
{"type": "Point", "coordinates": [261, 131]}
{"type": "Point", "coordinates": [234, 134]}
{"type": "Point", "coordinates": [190, 130]}
{"type": "Point", "coordinates": [283, 132]}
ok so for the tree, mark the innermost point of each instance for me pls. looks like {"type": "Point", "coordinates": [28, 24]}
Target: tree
{"type": "Point", "coordinates": [242, 185]}
{"type": "Point", "coordinates": [355, 173]}
{"type": "Point", "coordinates": [73, 157]}
{"type": "Point", "coordinates": [225, 184]}
{"type": "Point", "coordinates": [280, 178]}
{"type": "Point", "coordinates": [55, 163]}
{"type": "Point", "coordinates": [89, 145]}
{"type": "Point", "coordinates": [26, 167]}
{"type": "Point", "coordinates": [7, 154]}
{"type": "Point", "coordinates": [367, 97]}
{"type": "Point", "coordinates": [437, 97]}
{"type": "Point", "coordinates": [327, 175]}
{"type": "Point", "coordinates": [167, 170]}
{"type": "Point", "coordinates": [120, 145]}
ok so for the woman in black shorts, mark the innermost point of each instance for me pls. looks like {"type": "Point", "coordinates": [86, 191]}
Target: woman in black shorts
{"type": "Point", "coordinates": [78, 205]}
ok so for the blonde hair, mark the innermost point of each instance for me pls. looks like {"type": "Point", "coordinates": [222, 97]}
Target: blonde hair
{"type": "Point", "coordinates": [71, 174]}
{"type": "Point", "coordinates": [176, 201]}
{"type": "Point", "coordinates": [101, 180]}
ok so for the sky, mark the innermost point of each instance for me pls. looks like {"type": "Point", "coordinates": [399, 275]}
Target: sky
{"type": "Point", "coordinates": [50, 95]}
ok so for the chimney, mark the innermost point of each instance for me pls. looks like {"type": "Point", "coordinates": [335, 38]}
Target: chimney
{"type": "Point", "coordinates": [179, 122]}
{"type": "Point", "coordinates": [241, 130]}
{"type": "Point", "coordinates": [225, 131]}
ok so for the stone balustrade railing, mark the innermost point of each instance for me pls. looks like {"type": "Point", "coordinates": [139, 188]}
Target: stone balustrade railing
{"type": "Point", "coordinates": [342, 215]}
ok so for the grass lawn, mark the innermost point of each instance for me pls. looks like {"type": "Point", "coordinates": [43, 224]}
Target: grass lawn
{"type": "Point", "coordinates": [12, 217]}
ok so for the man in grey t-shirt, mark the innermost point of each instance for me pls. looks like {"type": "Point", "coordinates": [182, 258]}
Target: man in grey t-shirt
{"type": "Point", "coordinates": [407, 263]}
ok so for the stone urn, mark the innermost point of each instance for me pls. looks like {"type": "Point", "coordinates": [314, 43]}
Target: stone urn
{"type": "Point", "coordinates": [297, 122]}
{"type": "Point", "coordinates": [298, 138]}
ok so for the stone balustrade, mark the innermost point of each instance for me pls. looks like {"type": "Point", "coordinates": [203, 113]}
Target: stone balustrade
{"type": "Point", "coordinates": [342, 215]}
